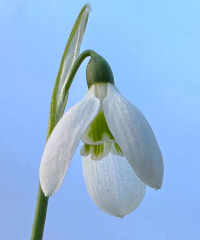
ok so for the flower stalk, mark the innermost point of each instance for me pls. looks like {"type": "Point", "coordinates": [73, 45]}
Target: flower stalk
{"type": "Point", "coordinates": [40, 216]}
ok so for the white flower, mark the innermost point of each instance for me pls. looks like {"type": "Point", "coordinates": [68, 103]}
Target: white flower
{"type": "Point", "coordinates": [120, 152]}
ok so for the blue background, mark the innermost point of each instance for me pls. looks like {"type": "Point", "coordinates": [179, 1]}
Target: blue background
{"type": "Point", "coordinates": [153, 48]}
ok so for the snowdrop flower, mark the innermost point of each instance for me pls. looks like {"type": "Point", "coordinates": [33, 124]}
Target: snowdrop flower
{"type": "Point", "coordinates": [120, 153]}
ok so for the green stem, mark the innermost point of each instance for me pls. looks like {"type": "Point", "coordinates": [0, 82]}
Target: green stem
{"type": "Point", "coordinates": [79, 60]}
{"type": "Point", "coordinates": [42, 201]}
{"type": "Point", "coordinates": [40, 216]}
{"type": "Point", "coordinates": [40, 209]}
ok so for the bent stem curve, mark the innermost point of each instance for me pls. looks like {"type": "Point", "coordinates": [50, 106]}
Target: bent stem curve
{"type": "Point", "coordinates": [53, 119]}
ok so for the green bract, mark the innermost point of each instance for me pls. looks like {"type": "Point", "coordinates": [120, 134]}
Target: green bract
{"type": "Point", "coordinates": [71, 53]}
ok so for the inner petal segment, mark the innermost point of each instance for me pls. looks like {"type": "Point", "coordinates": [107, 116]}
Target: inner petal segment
{"type": "Point", "coordinates": [98, 131]}
{"type": "Point", "coordinates": [98, 139]}
{"type": "Point", "coordinates": [99, 151]}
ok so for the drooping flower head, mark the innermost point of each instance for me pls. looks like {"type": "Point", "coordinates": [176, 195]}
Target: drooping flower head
{"type": "Point", "coordinates": [120, 153]}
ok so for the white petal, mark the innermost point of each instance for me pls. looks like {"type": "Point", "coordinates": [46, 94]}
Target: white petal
{"type": "Point", "coordinates": [113, 185]}
{"type": "Point", "coordinates": [135, 137]}
{"type": "Point", "coordinates": [63, 141]}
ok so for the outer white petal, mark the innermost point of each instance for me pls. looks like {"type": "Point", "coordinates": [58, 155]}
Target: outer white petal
{"type": "Point", "coordinates": [63, 141]}
{"type": "Point", "coordinates": [112, 184]}
{"type": "Point", "coordinates": [135, 137]}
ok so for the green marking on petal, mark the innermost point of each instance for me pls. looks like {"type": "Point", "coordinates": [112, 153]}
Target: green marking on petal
{"type": "Point", "coordinates": [99, 128]}
{"type": "Point", "coordinates": [96, 151]}
{"type": "Point", "coordinates": [99, 151]}
{"type": "Point", "coordinates": [85, 150]}
{"type": "Point", "coordinates": [118, 149]}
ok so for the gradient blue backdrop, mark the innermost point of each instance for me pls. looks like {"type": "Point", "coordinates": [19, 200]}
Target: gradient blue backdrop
{"type": "Point", "coordinates": [153, 48]}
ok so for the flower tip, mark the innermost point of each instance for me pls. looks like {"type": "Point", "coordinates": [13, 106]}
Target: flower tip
{"type": "Point", "coordinates": [156, 180]}
{"type": "Point", "coordinates": [122, 215]}
{"type": "Point", "coordinates": [157, 186]}
{"type": "Point", "coordinates": [47, 188]}
{"type": "Point", "coordinates": [88, 8]}
{"type": "Point", "coordinates": [45, 194]}
{"type": "Point", "coordinates": [44, 190]}
{"type": "Point", "coordinates": [119, 215]}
